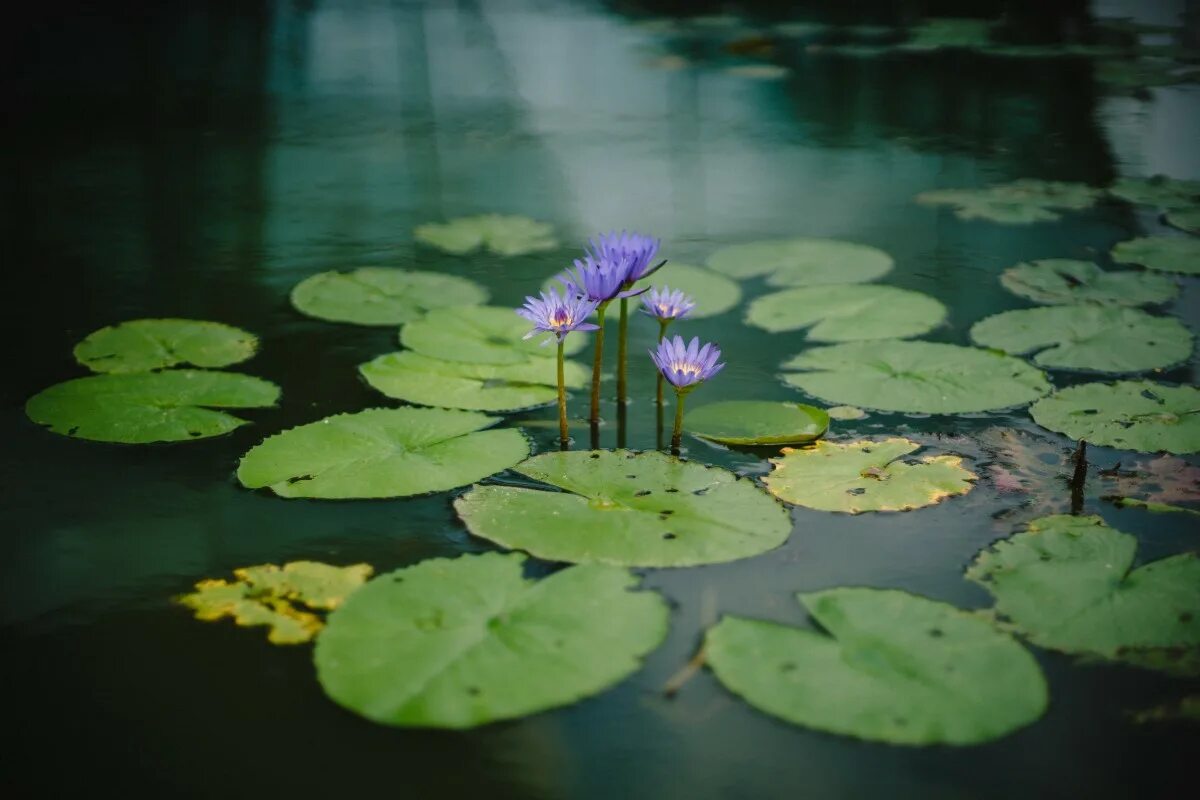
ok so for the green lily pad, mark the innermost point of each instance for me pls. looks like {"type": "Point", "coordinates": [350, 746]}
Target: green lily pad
{"type": "Point", "coordinates": [463, 642]}
{"type": "Point", "coordinates": [1136, 75]}
{"type": "Point", "coordinates": [1068, 583]}
{"type": "Point", "coordinates": [1023, 201]}
{"type": "Point", "coordinates": [1164, 253]}
{"type": "Point", "coordinates": [847, 313]}
{"type": "Point", "coordinates": [381, 295]}
{"type": "Point", "coordinates": [629, 509]}
{"type": "Point", "coordinates": [418, 379]}
{"type": "Point", "coordinates": [1099, 338]}
{"type": "Point", "coordinates": [714, 294]}
{"type": "Point", "coordinates": [802, 262]}
{"type": "Point", "coordinates": [481, 335]}
{"type": "Point", "coordinates": [865, 476]}
{"type": "Point", "coordinates": [142, 407]}
{"type": "Point", "coordinates": [1187, 219]}
{"type": "Point", "coordinates": [750, 422]}
{"type": "Point", "coordinates": [845, 412]}
{"type": "Point", "coordinates": [142, 345]}
{"type": "Point", "coordinates": [505, 235]}
{"type": "Point", "coordinates": [1158, 190]}
{"type": "Point", "coordinates": [1152, 507]}
{"type": "Point", "coordinates": [382, 452]}
{"type": "Point", "coordinates": [894, 667]}
{"type": "Point", "coordinates": [1065, 281]}
{"type": "Point", "coordinates": [758, 72]}
{"type": "Point", "coordinates": [925, 377]}
{"type": "Point", "coordinates": [1131, 415]}
{"type": "Point", "coordinates": [949, 32]}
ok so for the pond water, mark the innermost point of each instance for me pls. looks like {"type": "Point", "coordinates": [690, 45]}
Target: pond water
{"type": "Point", "coordinates": [199, 161]}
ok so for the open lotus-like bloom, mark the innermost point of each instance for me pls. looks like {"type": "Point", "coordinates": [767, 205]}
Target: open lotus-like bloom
{"type": "Point", "coordinates": [686, 366]}
{"type": "Point", "coordinates": [635, 250]}
{"type": "Point", "coordinates": [666, 304]}
{"type": "Point", "coordinates": [558, 314]}
{"type": "Point", "coordinates": [598, 279]}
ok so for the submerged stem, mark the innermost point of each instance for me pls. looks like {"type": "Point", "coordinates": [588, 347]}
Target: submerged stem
{"type": "Point", "coordinates": [677, 435]}
{"type": "Point", "coordinates": [594, 417]}
{"type": "Point", "coordinates": [562, 398]}
{"type": "Point", "coordinates": [622, 333]}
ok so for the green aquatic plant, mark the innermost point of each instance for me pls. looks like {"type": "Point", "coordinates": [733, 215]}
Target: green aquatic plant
{"type": "Point", "coordinates": [142, 345]}
{"type": "Point", "coordinates": [1066, 281]}
{"type": "Point", "coordinates": [686, 366]}
{"type": "Point", "coordinates": [757, 422]}
{"type": "Point", "coordinates": [844, 313]}
{"type": "Point", "coordinates": [382, 295]}
{"type": "Point", "coordinates": [1131, 415]}
{"type": "Point", "coordinates": [504, 235]}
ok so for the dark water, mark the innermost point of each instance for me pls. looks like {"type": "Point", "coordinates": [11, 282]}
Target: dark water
{"type": "Point", "coordinates": [198, 160]}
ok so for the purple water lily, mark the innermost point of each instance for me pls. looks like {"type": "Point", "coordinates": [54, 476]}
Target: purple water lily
{"type": "Point", "coordinates": [601, 280]}
{"type": "Point", "coordinates": [686, 366]}
{"type": "Point", "coordinates": [635, 250]}
{"type": "Point", "coordinates": [558, 314]}
{"type": "Point", "coordinates": [666, 304]}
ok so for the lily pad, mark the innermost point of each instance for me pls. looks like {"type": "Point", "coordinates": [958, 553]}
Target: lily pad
{"type": "Point", "coordinates": [418, 379]}
{"type": "Point", "coordinates": [1068, 583]}
{"type": "Point", "coordinates": [1187, 219]}
{"type": "Point", "coordinates": [480, 335]}
{"type": "Point", "coordinates": [1135, 76]}
{"type": "Point", "coordinates": [847, 313]}
{"type": "Point", "coordinates": [463, 642]}
{"type": "Point", "coordinates": [949, 32]}
{"type": "Point", "coordinates": [629, 509]}
{"type": "Point", "coordinates": [140, 407]}
{"type": "Point", "coordinates": [1131, 415]}
{"type": "Point", "coordinates": [894, 667]}
{"type": "Point", "coordinates": [382, 452]}
{"type": "Point", "coordinates": [381, 295]}
{"type": "Point", "coordinates": [1152, 507]}
{"type": "Point", "coordinates": [845, 412]}
{"type": "Point", "coordinates": [760, 72]}
{"type": "Point", "coordinates": [928, 377]}
{"type": "Point", "coordinates": [1164, 253]}
{"type": "Point", "coordinates": [1064, 281]}
{"type": "Point", "coordinates": [142, 345]}
{"type": "Point", "coordinates": [865, 476]}
{"type": "Point", "coordinates": [1023, 201]}
{"type": "Point", "coordinates": [505, 235]}
{"type": "Point", "coordinates": [1099, 338]}
{"type": "Point", "coordinates": [714, 294]}
{"type": "Point", "coordinates": [802, 262]}
{"type": "Point", "coordinates": [1186, 709]}
{"type": "Point", "coordinates": [1158, 190]}
{"type": "Point", "coordinates": [751, 422]}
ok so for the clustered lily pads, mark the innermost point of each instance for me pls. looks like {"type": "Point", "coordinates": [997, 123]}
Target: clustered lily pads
{"type": "Point", "coordinates": [1020, 202]}
{"type": "Point", "coordinates": [501, 234]}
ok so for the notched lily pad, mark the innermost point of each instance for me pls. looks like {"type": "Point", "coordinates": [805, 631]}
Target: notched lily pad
{"type": "Point", "coordinates": [713, 293]}
{"type": "Point", "coordinates": [381, 295]}
{"type": "Point", "coordinates": [1020, 202]}
{"type": "Point", "coordinates": [504, 235]}
{"type": "Point", "coordinates": [480, 335]}
{"type": "Point", "coordinates": [1131, 415]}
{"type": "Point", "coordinates": [1163, 253]}
{"type": "Point", "coordinates": [757, 422]}
{"type": "Point", "coordinates": [802, 262]}
{"type": "Point", "coordinates": [847, 313]}
{"type": "Point", "coordinates": [142, 345]}
{"type": "Point", "coordinates": [1064, 281]}
{"type": "Point", "coordinates": [1158, 190]}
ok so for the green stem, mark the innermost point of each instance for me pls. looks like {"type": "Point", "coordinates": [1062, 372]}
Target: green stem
{"type": "Point", "coordinates": [662, 334]}
{"type": "Point", "coordinates": [622, 333]}
{"type": "Point", "coordinates": [562, 397]}
{"type": "Point", "coordinates": [677, 435]}
{"type": "Point", "coordinates": [595, 413]}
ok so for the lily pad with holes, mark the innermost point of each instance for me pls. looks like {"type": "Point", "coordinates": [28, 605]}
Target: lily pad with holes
{"type": "Point", "coordinates": [418, 379]}
{"type": "Point", "coordinates": [626, 508]}
{"type": "Point", "coordinates": [713, 293]}
{"type": "Point", "coordinates": [1089, 337]}
{"type": "Point", "coordinates": [1187, 219]}
{"type": "Point", "coordinates": [141, 407]}
{"type": "Point", "coordinates": [1020, 202]}
{"type": "Point", "coordinates": [481, 335]}
{"type": "Point", "coordinates": [847, 313]}
{"type": "Point", "coordinates": [866, 476]}
{"type": "Point", "coordinates": [1158, 190]}
{"type": "Point", "coordinates": [757, 422]}
{"type": "Point", "coordinates": [142, 345]}
{"type": "Point", "coordinates": [802, 262]}
{"type": "Point", "coordinates": [504, 235]}
{"type": "Point", "coordinates": [1163, 253]}
{"type": "Point", "coordinates": [463, 642]}
{"type": "Point", "coordinates": [1064, 281]}
{"type": "Point", "coordinates": [888, 667]}
{"type": "Point", "coordinates": [382, 452]}
{"type": "Point", "coordinates": [1130, 415]}
{"type": "Point", "coordinates": [926, 377]}
{"type": "Point", "coordinates": [381, 295]}
{"type": "Point", "coordinates": [1068, 583]}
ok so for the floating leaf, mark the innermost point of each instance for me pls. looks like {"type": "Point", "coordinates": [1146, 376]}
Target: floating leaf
{"type": "Point", "coordinates": [630, 509]}
{"type": "Point", "coordinates": [1158, 190]}
{"type": "Point", "coordinates": [949, 32]}
{"type": "Point", "coordinates": [761, 72]}
{"type": "Point", "coordinates": [1165, 253]}
{"type": "Point", "coordinates": [141, 407]}
{"type": "Point", "coordinates": [847, 313]}
{"type": "Point", "coordinates": [1187, 219]}
{"type": "Point", "coordinates": [714, 294]}
{"type": "Point", "coordinates": [142, 345]}
{"type": "Point", "coordinates": [1022, 201]}
{"type": "Point", "coordinates": [216, 599]}
{"type": "Point", "coordinates": [1131, 415]}
{"type": "Point", "coordinates": [865, 476]}
{"type": "Point", "coordinates": [916, 377]}
{"type": "Point", "coordinates": [802, 262]}
{"type": "Point", "coordinates": [1137, 75]}
{"type": "Point", "coordinates": [1154, 508]}
{"type": "Point", "coordinates": [845, 412]}
{"type": "Point", "coordinates": [381, 296]}
{"type": "Point", "coordinates": [382, 452]}
{"type": "Point", "coordinates": [501, 234]}
{"type": "Point", "coordinates": [750, 422]}
{"type": "Point", "coordinates": [894, 668]}
{"type": "Point", "coordinates": [1063, 281]}
{"type": "Point", "coordinates": [1100, 338]}
{"type": "Point", "coordinates": [1186, 709]}
{"type": "Point", "coordinates": [479, 335]}
{"type": "Point", "coordinates": [463, 642]}
{"type": "Point", "coordinates": [316, 585]}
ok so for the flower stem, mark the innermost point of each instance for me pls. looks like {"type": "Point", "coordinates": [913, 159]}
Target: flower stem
{"type": "Point", "coordinates": [594, 418]}
{"type": "Point", "coordinates": [622, 333]}
{"type": "Point", "coordinates": [662, 334]}
{"type": "Point", "coordinates": [677, 435]}
{"type": "Point", "coordinates": [562, 398]}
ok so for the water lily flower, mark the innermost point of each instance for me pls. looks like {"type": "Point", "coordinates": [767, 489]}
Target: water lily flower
{"type": "Point", "coordinates": [686, 366]}
{"type": "Point", "coordinates": [558, 314]}
{"type": "Point", "coordinates": [598, 279]}
{"type": "Point", "coordinates": [666, 304]}
{"type": "Point", "coordinates": [635, 250]}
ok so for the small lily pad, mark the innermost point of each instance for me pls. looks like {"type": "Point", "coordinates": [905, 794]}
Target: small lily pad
{"type": "Point", "coordinates": [847, 313]}
{"type": "Point", "coordinates": [176, 405]}
{"type": "Point", "coordinates": [463, 642]}
{"type": "Point", "coordinates": [1020, 202]}
{"type": "Point", "coordinates": [1131, 415]}
{"type": "Point", "coordinates": [893, 667]}
{"type": "Point", "coordinates": [751, 422]}
{"type": "Point", "coordinates": [760, 72]}
{"type": "Point", "coordinates": [1187, 219]}
{"type": "Point", "coordinates": [802, 262]}
{"type": "Point", "coordinates": [1064, 281]}
{"type": "Point", "coordinates": [1158, 190]}
{"type": "Point", "coordinates": [1152, 507]}
{"type": "Point", "coordinates": [845, 412]}
{"type": "Point", "coordinates": [142, 345]}
{"type": "Point", "coordinates": [713, 293]}
{"type": "Point", "coordinates": [1164, 253]}
{"type": "Point", "coordinates": [382, 452]}
{"type": "Point", "coordinates": [480, 335]}
{"type": "Point", "coordinates": [504, 235]}
{"type": "Point", "coordinates": [381, 296]}
{"type": "Point", "coordinates": [939, 33]}
{"type": "Point", "coordinates": [865, 476]}
{"type": "Point", "coordinates": [629, 509]}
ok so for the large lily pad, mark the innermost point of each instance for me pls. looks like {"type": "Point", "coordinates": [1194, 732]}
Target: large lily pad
{"type": "Point", "coordinates": [1020, 202]}
{"type": "Point", "coordinates": [630, 509]}
{"type": "Point", "coordinates": [1099, 338]}
{"type": "Point", "coordinates": [1164, 253]}
{"type": "Point", "coordinates": [865, 476]}
{"type": "Point", "coordinates": [505, 235]}
{"type": "Point", "coordinates": [142, 345]}
{"type": "Point", "coordinates": [1063, 281]}
{"type": "Point", "coordinates": [382, 452]}
{"type": "Point", "coordinates": [802, 262]}
{"type": "Point", "coordinates": [1068, 583]}
{"type": "Point", "coordinates": [847, 313]}
{"type": "Point", "coordinates": [479, 335]}
{"type": "Point", "coordinates": [894, 667]}
{"type": "Point", "coordinates": [713, 293]}
{"type": "Point", "coordinates": [1187, 219]}
{"type": "Point", "coordinates": [137, 408]}
{"type": "Point", "coordinates": [463, 642]}
{"type": "Point", "coordinates": [926, 377]}
{"type": "Point", "coordinates": [381, 296]}
{"type": "Point", "coordinates": [757, 422]}
{"type": "Point", "coordinates": [1158, 190]}
{"type": "Point", "coordinates": [1131, 415]}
